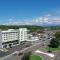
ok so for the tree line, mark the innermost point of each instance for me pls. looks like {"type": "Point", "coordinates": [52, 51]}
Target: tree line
{"type": "Point", "coordinates": [55, 42]}
{"type": "Point", "coordinates": [32, 28]}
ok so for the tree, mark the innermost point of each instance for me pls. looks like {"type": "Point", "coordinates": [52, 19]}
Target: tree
{"type": "Point", "coordinates": [57, 34]}
{"type": "Point", "coordinates": [54, 43]}
{"type": "Point", "coordinates": [58, 39]}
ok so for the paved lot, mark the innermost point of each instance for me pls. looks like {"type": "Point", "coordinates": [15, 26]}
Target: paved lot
{"type": "Point", "coordinates": [11, 50]}
{"type": "Point", "coordinates": [34, 48]}
{"type": "Point", "coordinates": [16, 48]}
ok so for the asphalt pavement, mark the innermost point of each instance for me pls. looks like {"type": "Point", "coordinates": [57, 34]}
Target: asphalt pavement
{"type": "Point", "coordinates": [11, 50]}
{"type": "Point", "coordinates": [32, 49]}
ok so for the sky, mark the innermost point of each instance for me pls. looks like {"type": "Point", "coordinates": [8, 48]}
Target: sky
{"type": "Point", "coordinates": [33, 12]}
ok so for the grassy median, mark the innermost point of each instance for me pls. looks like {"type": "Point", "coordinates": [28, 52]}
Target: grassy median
{"type": "Point", "coordinates": [35, 57]}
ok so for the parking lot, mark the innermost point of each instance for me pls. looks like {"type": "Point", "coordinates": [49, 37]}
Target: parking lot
{"type": "Point", "coordinates": [14, 48]}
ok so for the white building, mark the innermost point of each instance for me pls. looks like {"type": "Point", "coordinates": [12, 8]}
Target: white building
{"type": "Point", "coordinates": [22, 34]}
{"type": "Point", "coordinates": [12, 37]}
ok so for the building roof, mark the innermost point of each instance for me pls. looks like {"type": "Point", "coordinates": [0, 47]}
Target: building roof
{"type": "Point", "coordinates": [10, 30]}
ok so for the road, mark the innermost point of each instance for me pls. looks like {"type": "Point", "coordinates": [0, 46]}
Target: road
{"type": "Point", "coordinates": [11, 50]}
{"type": "Point", "coordinates": [57, 56]}
{"type": "Point", "coordinates": [32, 49]}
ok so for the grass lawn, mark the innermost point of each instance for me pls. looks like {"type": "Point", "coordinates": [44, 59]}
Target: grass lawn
{"type": "Point", "coordinates": [35, 57]}
{"type": "Point", "coordinates": [53, 49]}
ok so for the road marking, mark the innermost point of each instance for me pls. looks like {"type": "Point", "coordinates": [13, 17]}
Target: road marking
{"type": "Point", "coordinates": [48, 54]}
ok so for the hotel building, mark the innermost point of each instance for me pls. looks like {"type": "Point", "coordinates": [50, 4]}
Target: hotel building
{"type": "Point", "coordinates": [12, 37]}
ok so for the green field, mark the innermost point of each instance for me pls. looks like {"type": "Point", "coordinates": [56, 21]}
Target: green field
{"type": "Point", "coordinates": [35, 57]}
{"type": "Point", "coordinates": [53, 49]}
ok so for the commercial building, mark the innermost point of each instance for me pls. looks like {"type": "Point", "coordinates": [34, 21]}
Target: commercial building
{"type": "Point", "coordinates": [12, 37]}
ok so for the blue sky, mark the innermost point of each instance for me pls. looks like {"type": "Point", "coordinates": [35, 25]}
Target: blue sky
{"type": "Point", "coordinates": [21, 10]}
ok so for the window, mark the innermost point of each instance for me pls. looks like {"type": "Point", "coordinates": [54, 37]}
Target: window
{"type": "Point", "coordinates": [4, 46]}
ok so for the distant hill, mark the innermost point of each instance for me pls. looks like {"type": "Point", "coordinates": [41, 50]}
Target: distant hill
{"type": "Point", "coordinates": [32, 28]}
{"type": "Point", "coordinates": [52, 27]}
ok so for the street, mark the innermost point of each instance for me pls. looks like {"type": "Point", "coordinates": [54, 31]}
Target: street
{"type": "Point", "coordinates": [32, 49]}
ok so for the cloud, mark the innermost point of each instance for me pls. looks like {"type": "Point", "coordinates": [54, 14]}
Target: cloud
{"type": "Point", "coordinates": [48, 19]}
